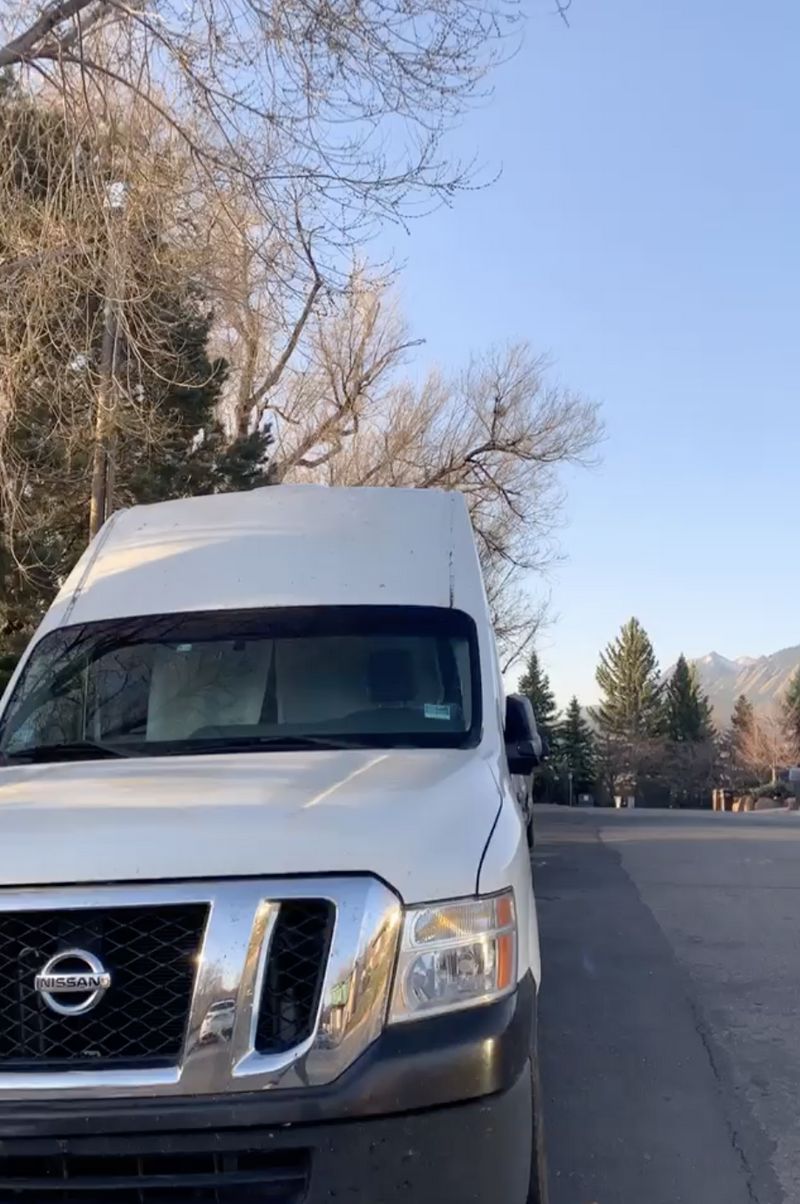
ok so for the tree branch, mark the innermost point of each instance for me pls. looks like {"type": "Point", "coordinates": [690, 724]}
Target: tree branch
{"type": "Point", "coordinates": [29, 44]}
{"type": "Point", "coordinates": [24, 263]}
{"type": "Point", "coordinates": [275, 373]}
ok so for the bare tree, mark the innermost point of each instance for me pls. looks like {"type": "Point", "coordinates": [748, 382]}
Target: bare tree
{"type": "Point", "coordinates": [355, 345]}
{"type": "Point", "coordinates": [499, 432]}
{"type": "Point", "coordinates": [348, 103]}
{"type": "Point", "coordinates": [766, 746]}
{"type": "Point", "coordinates": [266, 291]}
{"type": "Point", "coordinates": [225, 124]}
{"type": "Point", "coordinates": [265, 113]}
{"type": "Point", "coordinates": [321, 363]}
{"type": "Point", "coordinates": [614, 775]}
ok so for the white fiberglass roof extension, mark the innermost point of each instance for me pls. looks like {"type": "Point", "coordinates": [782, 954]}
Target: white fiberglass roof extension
{"type": "Point", "coordinates": [287, 545]}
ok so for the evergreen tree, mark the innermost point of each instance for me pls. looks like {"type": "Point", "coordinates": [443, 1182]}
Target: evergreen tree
{"type": "Point", "coordinates": [576, 748]}
{"type": "Point", "coordinates": [737, 739]}
{"type": "Point", "coordinates": [691, 748]}
{"type": "Point", "coordinates": [791, 712]}
{"type": "Point", "coordinates": [192, 456]}
{"type": "Point", "coordinates": [632, 705]}
{"type": "Point", "coordinates": [742, 721]}
{"type": "Point", "coordinates": [535, 684]}
{"type": "Point", "coordinates": [687, 709]}
{"type": "Point", "coordinates": [170, 443]}
{"type": "Point", "coordinates": [7, 664]}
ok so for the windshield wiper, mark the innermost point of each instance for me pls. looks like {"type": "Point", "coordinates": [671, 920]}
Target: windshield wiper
{"type": "Point", "coordinates": [217, 744]}
{"type": "Point", "coordinates": [74, 750]}
{"type": "Point", "coordinates": [331, 742]}
{"type": "Point", "coordinates": [93, 750]}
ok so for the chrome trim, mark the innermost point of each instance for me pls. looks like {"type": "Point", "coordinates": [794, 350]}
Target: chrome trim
{"type": "Point", "coordinates": [219, 1054]}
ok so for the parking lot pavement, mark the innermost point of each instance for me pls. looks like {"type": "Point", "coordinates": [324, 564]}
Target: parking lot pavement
{"type": "Point", "coordinates": [670, 1009]}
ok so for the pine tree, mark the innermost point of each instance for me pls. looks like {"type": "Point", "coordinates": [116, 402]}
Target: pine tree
{"type": "Point", "coordinates": [632, 706]}
{"type": "Point", "coordinates": [7, 665]}
{"type": "Point", "coordinates": [535, 684]}
{"type": "Point", "coordinates": [791, 712]}
{"type": "Point", "coordinates": [576, 748]}
{"type": "Point", "coordinates": [192, 457]}
{"type": "Point", "coordinates": [687, 709]}
{"type": "Point", "coordinates": [170, 444]}
{"type": "Point", "coordinates": [692, 748]}
{"type": "Point", "coordinates": [738, 739]}
{"type": "Point", "coordinates": [742, 721]}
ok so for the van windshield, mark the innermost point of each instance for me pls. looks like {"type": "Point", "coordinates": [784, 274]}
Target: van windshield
{"type": "Point", "coordinates": [326, 677]}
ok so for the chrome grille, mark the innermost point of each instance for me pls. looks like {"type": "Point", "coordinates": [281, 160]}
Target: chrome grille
{"type": "Point", "coordinates": [320, 1010]}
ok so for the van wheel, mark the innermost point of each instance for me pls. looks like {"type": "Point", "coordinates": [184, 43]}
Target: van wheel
{"type": "Point", "coordinates": [537, 1192]}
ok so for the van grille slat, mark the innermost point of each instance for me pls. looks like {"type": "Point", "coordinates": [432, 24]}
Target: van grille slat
{"type": "Point", "coordinates": [294, 974]}
{"type": "Point", "coordinates": [185, 1171]}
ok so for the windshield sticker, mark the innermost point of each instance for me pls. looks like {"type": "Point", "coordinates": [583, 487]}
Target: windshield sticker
{"type": "Point", "coordinates": [437, 710]}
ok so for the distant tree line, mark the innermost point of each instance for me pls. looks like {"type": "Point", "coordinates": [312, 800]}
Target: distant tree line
{"type": "Point", "coordinates": [653, 738]}
{"type": "Point", "coordinates": [571, 768]}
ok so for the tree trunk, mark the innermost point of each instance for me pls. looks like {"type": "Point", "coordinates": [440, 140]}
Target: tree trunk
{"type": "Point", "coordinates": [100, 500]}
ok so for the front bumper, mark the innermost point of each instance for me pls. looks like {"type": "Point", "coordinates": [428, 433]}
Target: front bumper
{"type": "Point", "coordinates": [436, 1112]}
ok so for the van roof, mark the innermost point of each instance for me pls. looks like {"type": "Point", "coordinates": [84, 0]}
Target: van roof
{"type": "Point", "coordinates": [286, 545]}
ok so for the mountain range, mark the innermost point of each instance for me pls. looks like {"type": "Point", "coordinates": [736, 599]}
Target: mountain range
{"type": "Point", "coordinates": [762, 678]}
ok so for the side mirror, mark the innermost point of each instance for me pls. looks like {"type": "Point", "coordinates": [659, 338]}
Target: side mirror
{"type": "Point", "coordinates": [522, 758]}
{"type": "Point", "coordinates": [524, 745]}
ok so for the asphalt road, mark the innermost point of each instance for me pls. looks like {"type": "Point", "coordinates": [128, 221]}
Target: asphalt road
{"type": "Point", "coordinates": [670, 1009]}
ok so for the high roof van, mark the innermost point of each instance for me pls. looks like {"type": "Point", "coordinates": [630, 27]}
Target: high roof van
{"type": "Point", "coordinates": [267, 924]}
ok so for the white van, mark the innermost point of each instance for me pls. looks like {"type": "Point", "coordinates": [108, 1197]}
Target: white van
{"type": "Point", "coordinates": [267, 927]}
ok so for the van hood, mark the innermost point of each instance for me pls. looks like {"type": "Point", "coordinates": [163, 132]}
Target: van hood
{"type": "Point", "coordinates": [419, 819]}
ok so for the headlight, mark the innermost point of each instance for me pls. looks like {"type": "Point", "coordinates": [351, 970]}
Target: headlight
{"type": "Point", "coordinates": [455, 955]}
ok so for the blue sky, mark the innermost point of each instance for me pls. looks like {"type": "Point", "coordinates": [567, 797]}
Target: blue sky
{"type": "Point", "coordinates": [645, 233]}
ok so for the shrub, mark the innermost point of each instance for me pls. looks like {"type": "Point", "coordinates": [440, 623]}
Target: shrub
{"type": "Point", "coordinates": [780, 790]}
